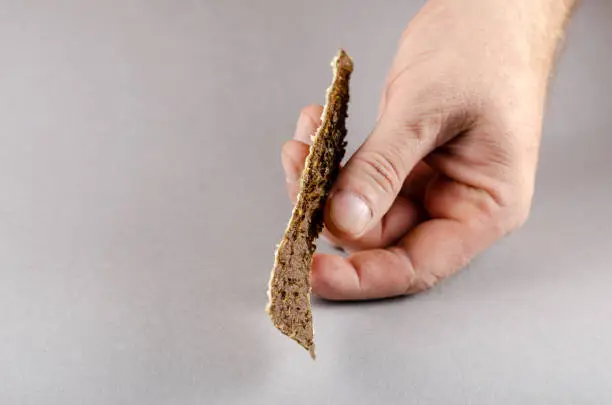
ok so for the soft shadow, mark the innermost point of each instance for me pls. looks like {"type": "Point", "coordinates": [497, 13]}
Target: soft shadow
{"type": "Point", "coordinates": [325, 303]}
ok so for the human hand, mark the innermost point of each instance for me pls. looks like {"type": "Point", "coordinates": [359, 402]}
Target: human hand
{"type": "Point", "coordinates": [450, 165]}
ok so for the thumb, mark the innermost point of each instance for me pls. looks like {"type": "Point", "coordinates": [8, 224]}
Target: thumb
{"type": "Point", "coordinates": [373, 177]}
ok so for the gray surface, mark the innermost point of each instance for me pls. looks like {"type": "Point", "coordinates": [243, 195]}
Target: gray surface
{"type": "Point", "coordinates": [142, 197]}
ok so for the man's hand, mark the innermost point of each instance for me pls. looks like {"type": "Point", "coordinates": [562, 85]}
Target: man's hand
{"type": "Point", "coordinates": [450, 165]}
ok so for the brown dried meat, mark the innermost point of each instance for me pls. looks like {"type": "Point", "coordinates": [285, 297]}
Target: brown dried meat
{"type": "Point", "coordinates": [289, 287]}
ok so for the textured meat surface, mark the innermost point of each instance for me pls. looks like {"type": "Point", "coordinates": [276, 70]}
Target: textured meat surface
{"type": "Point", "coordinates": [289, 289]}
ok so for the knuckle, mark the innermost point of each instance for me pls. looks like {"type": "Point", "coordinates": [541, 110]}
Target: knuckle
{"type": "Point", "coordinates": [421, 131]}
{"type": "Point", "coordinates": [429, 126]}
{"type": "Point", "coordinates": [518, 218]}
{"type": "Point", "coordinates": [382, 170]}
{"type": "Point", "coordinates": [312, 111]}
{"type": "Point", "coordinates": [502, 212]}
{"type": "Point", "coordinates": [516, 211]}
{"type": "Point", "coordinates": [423, 281]}
{"type": "Point", "coordinates": [511, 218]}
{"type": "Point", "coordinates": [430, 280]}
{"type": "Point", "coordinates": [293, 155]}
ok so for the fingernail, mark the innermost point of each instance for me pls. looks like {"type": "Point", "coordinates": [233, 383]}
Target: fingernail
{"type": "Point", "coordinates": [350, 213]}
{"type": "Point", "coordinates": [305, 129]}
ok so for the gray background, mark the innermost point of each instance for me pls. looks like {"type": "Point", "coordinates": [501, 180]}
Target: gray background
{"type": "Point", "coordinates": [142, 197]}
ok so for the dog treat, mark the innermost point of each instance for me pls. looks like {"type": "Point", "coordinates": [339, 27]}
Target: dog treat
{"type": "Point", "coordinates": [289, 286]}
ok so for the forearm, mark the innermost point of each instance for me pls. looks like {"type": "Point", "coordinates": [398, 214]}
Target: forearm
{"type": "Point", "coordinates": [545, 22]}
{"type": "Point", "coordinates": [525, 32]}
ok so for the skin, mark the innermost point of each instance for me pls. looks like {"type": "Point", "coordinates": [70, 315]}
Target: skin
{"type": "Point", "coordinates": [450, 165]}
